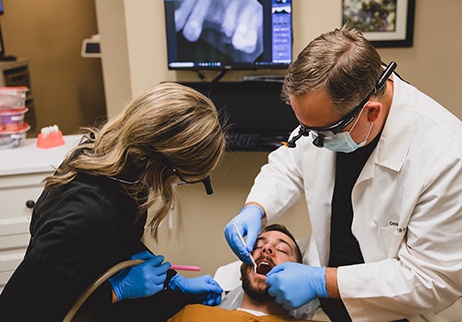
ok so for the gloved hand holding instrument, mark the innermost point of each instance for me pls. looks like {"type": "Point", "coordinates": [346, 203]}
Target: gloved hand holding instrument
{"type": "Point", "coordinates": [246, 223]}
{"type": "Point", "coordinates": [144, 279]}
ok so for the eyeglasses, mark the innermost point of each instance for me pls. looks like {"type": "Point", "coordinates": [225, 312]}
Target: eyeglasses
{"type": "Point", "coordinates": [207, 181]}
{"type": "Point", "coordinates": [331, 130]}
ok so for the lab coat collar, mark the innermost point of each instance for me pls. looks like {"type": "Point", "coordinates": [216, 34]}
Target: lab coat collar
{"type": "Point", "coordinates": [395, 140]}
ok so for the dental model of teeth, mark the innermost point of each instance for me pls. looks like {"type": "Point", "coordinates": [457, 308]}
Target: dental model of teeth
{"type": "Point", "coordinates": [49, 137]}
{"type": "Point", "coordinates": [49, 129]}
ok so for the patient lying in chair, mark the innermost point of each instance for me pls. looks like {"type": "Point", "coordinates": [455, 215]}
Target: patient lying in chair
{"type": "Point", "coordinates": [274, 245]}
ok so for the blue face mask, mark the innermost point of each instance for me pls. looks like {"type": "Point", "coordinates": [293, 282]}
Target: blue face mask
{"type": "Point", "coordinates": [342, 142]}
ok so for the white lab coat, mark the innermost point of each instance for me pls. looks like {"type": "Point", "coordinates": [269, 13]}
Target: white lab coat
{"type": "Point", "coordinates": [407, 205]}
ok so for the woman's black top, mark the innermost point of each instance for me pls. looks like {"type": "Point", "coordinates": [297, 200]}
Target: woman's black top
{"type": "Point", "coordinates": [78, 231]}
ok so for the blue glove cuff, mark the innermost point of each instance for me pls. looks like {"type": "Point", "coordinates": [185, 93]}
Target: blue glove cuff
{"type": "Point", "coordinates": [322, 291]}
{"type": "Point", "coordinates": [176, 283]}
{"type": "Point", "coordinates": [114, 280]}
{"type": "Point", "coordinates": [256, 207]}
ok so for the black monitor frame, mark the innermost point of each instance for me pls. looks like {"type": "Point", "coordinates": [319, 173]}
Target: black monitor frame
{"type": "Point", "coordinates": [200, 55]}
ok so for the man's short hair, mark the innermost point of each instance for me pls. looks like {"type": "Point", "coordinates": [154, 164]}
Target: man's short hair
{"type": "Point", "coordinates": [342, 62]}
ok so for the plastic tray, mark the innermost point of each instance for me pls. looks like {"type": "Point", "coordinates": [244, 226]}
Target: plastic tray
{"type": "Point", "coordinates": [12, 119]}
{"type": "Point", "coordinates": [12, 139]}
{"type": "Point", "coordinates": [13, 97]}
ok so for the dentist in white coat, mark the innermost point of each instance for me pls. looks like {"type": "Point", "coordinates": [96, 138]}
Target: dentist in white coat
{"type": "Point", "coordinates": [380, 166]}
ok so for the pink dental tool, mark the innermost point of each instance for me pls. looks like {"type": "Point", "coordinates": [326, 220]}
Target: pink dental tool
{"type": "Point", "coordinates": [185, 268]}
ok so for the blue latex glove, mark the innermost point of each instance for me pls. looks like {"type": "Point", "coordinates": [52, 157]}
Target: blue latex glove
{"type": "Point", "coordinates": [294, 284]}
{"type": "Point", "coordinates": [205, 286]}
{"type": "Point", "coordinates": [248, 223]}
{"type": "Point", "coordinates": [141, 280]}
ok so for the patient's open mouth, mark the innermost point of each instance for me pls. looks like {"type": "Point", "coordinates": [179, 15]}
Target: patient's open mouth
{"type": "Point", "coordinates": [264, 266]}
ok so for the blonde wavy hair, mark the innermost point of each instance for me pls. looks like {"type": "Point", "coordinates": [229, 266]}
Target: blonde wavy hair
{"type": "Point", "coordinates": [168, 126]}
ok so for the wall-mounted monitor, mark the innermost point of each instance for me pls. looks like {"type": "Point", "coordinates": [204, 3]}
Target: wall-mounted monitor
{"type": "Point", "coordinates": [228, 34]}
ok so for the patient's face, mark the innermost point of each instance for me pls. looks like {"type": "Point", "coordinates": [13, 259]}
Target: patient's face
{"type": "Point", "coordinates": [271, 248]}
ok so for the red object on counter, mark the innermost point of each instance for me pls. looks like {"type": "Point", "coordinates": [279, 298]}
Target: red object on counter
{"type": "Point", "coordinates": [50, 140]}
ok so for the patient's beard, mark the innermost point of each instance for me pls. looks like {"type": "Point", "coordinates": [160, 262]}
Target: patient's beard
{"type": "Point", "coordinates": [255, 289]}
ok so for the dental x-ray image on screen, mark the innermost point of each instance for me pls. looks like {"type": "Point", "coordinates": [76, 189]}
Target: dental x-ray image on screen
{"type": "Point", "coordinates": [228, 34]}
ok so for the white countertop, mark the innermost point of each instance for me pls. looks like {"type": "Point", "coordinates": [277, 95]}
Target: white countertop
{"type": "Point", "coordinates": [28, 158]}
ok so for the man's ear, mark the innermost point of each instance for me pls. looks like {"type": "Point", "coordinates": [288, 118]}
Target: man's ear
{"type": "Point", "coordinates": [373, 110]}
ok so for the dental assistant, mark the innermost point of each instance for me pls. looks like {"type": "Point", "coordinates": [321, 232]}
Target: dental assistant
{"type": "Point", "coordinates": [380, 166]}
{"type": "Point", "coordinates": [93, 212]}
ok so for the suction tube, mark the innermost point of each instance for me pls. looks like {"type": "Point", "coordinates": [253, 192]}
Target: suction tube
{"type": "Point", "coordinates": [82, 298]}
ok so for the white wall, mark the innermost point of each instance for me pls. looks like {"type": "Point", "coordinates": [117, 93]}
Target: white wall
{"type": "Point", "coordinates": [134, 58]}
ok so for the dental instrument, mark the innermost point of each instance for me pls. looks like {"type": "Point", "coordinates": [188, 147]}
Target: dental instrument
{"type": "Point", "coordinates": [185, 268]}
{"type": "Point", "coordinates": [243, 242]}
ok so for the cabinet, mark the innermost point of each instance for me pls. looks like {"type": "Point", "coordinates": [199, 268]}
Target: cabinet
{"type": "Point", "coordinates": [16, 73]}
{"type": "Point", "coordinates": [21, 173]}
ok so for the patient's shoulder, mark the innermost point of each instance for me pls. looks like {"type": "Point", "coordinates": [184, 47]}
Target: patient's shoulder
{"type": "Point", "coordinates": [199, 312]}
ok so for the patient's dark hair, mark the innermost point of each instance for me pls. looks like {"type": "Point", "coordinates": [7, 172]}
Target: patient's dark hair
{"type": "Point", "coordinates": [284, 230]}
